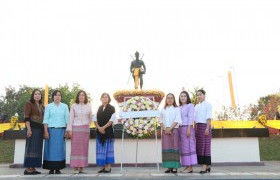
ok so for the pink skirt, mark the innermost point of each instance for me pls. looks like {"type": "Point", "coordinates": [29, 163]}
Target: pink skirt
{"type": "Point", "coordinates": [79, 146]}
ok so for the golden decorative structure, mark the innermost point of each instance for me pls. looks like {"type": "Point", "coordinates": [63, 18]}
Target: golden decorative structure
{"type": "Point", "coordinates": [120, 94]}
{"type": "Point", "coordinates": [14, 123]}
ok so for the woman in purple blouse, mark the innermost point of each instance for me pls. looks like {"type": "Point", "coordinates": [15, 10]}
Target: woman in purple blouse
{"type": "Point", "coordinates": [187, 142]}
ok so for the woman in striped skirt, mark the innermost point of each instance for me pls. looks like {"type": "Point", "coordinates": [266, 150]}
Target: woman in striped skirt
{"type": "Point", "coordinates": [170, 119]}
{"type": "Point", "coordinates": [78, 131]}
{"type": "Point", "coordinates": [203, 116]}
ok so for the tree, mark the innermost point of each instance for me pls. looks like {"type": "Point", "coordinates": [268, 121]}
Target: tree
{"type": "Point", "coordinates": [8, 102]}
{"type": "Point", "coordinates": [13, 101]}
{"type": "Point", "coordinates": [267, 105]}
{"type": "Point", "coordinates": [193, 94]}
{"type": "Point", "coordinates": [229, 113]}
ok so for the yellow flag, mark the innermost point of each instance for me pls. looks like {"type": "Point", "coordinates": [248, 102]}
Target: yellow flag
{"type": "Point", "coordinates": [46, 95]}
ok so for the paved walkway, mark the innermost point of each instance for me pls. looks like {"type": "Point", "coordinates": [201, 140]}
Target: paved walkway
{"type": "Point", "coordinates": [271, 170]}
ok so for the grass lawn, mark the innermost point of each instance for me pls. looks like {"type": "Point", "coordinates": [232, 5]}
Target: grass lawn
{"type": "Point", "coordinates": [270, 148]}
{"type": "Point", "coordinates": [7, 151]}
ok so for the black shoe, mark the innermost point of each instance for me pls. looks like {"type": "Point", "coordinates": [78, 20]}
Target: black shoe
{"type": "Point", "coordinates": [51, 172]}
{"type": "Point", "coordinates": [101, 171]}
{"type": "Point", "coordinates": [168, 171]}
{"type": "Point", "coordinates": [174, 171]}
{"type": "Point", "coordinates": [57, 172]}
{"type": "Point", "coordinates": [37, 172]}
{"type": "Point", "coordinates": [203, 172]}
{"type": "Point", "coordinates": [106, 171]}
{"type": "Point", "coordinates": [208, 169]}
{"type": "Point", "coordinates": [29, 173]}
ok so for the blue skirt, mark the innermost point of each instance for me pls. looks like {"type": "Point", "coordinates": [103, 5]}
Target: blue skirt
{"type": "Point", "coordinates": [55, 149]}
{"type": "Point", "coordinates": [34, 148]}
{"type": "Point", "coordinates": [104, 152]}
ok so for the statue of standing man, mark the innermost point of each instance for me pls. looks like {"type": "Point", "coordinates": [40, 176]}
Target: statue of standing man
{"type": "Point", "coordinates": [137, 68]}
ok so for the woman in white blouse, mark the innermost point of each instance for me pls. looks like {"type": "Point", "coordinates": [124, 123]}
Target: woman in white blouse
{"type": "Point", "coordinates": [79, 132]}
{"type": "Point", "coordinates": [169, 120]}
{"type": "Point", "coordinates": [203, 116]}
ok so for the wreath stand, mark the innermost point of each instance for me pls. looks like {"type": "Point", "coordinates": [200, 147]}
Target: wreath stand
{"type": "Point", "coordinates": [136, 158]}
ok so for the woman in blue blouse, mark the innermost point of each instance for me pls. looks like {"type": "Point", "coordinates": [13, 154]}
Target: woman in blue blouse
{"type": "Point", "coordinates": [55, 122]}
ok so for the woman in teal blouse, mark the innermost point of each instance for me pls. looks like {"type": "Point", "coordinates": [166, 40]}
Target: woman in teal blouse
{"type": "Point", "coordinates": [55, 122]}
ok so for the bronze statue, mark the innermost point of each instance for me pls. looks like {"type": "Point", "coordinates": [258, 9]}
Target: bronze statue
{"type": "Point", "coordinates": [137, 69]}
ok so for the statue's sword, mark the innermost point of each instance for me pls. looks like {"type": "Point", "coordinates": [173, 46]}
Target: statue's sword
{"type": "Point", "coordinates": [129, 73]}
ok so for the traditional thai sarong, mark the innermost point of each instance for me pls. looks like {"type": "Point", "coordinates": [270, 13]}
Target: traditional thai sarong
{"type": "Point", "coordinates": [33, 148]}
{"type": "Point", "coordinates": [105, 142]}
{"type": "Point", "coordinates": [170, 149]}
{"type": "Point", "coordinates": [187, 147]}
{"type": "Point", "coordinates": [104, 152]}
{"type": "Point", "coordinates": [79, 146]}
{"type": "Point", "coordinates": [55, 149]}
{"type": "Point", "coordinates": [203, 144]}
{"type": "Point", "coordinates": [33, 114]}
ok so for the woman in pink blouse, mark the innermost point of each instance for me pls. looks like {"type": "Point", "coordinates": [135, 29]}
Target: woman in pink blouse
{"type": "Point", "coordinates": [79, 132]}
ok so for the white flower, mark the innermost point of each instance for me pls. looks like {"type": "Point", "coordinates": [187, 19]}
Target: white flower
{"type": "Point", "coordinates": [146, 127]}
{"type": "Point", "coordinates": [136, 125]}
{"type": "Point", "coordinates": [133, 133]}
{"type": "Point", "coordinates": [128, 131]}
{"type": "Point", "coordinates": [145, 132]}
{"type": "Point", "coordinates": [140, 126]}
{"type": "Point", "coordinates": [140, 135]}
{"type": "Point", "coordinates": [140, 131]}
{"type": "Point", "coordinates": [143, 107]}
{"type": "Point", "coordinates": [145, 122]}
{"type": "Point", "coordinates": [131, 122]}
